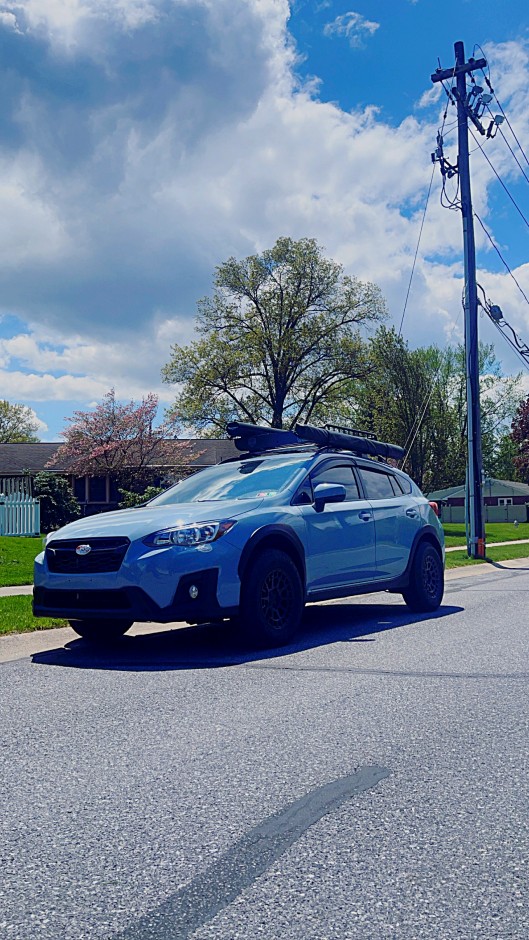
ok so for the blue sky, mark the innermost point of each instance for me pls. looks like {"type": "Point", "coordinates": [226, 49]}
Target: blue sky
{"type": "Point", "coordinates": [143, 142]}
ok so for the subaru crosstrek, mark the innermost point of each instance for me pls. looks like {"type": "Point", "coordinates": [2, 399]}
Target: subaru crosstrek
{"type": "Point", "coordinates": [299, 517]}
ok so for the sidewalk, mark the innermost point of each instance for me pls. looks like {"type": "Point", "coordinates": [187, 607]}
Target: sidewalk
{"type": "Point", "coordinates": [20, 589]}
{"type": "Point", "coordinates": [462, 548]}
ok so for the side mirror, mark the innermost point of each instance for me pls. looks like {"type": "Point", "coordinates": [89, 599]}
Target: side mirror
{"type": "Point", "coordinates": [328, 493]}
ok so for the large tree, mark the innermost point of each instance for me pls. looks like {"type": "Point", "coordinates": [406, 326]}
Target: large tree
{"type": "Point", "coordinates": [417, 398]}
{"type": "Point", "coordinates": [520, 438]}
{"type": "Point", "coordinates": [17, 424]}
{"type": "Point", "coordinates": [503, 465]}
{"type": "Point", "coordinates": [122, 440]}
{"type": "Point", "coordinates": [279, 340]}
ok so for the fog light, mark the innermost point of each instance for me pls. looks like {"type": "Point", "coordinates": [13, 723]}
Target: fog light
{"type": "Point", "coordinates": [193, 592]}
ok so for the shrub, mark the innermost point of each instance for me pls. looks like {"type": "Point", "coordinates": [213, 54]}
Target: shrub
{"type": "Point", "coordinates": [130, 499]}
{"type": "Point", "coordinates": [58, 505]}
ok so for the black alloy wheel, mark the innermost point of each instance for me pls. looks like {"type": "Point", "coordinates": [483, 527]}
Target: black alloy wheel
{"type": "Point", "coordinates": [272, 599]}
{"type": "Point", "coordinates": [426, 586]}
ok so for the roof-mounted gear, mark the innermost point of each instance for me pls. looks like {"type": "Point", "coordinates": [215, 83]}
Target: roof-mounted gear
{"type": "Point", "coordinates": [253, 439]}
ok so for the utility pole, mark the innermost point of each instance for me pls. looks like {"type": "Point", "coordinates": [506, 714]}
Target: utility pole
{"type": "Point", "coordinates": [468, 106]}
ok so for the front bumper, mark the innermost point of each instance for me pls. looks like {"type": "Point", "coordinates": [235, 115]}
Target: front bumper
{"type": "Point", "coordinates": [150, 585]}
{"type": "Point", "coordinates": [133, 603]}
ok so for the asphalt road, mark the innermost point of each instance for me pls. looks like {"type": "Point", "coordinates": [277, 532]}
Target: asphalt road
{"type": "Point", "coordinates": [370, 783]}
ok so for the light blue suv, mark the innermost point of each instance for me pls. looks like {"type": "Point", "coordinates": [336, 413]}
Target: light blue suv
{"type": "Point", "coordinates": [301, 516]}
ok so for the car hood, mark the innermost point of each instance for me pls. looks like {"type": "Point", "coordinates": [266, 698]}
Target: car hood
{"type": "Point", "coordinates": [141, 521]}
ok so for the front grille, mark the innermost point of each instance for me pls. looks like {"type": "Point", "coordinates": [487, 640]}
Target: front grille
{"type": "Point", "coordinates": [55, 599]}
{"type": "Point", "coordinates": [105, 555]}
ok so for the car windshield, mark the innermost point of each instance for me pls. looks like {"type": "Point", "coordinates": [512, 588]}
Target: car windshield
{"type": "Point", "coordinates": [245, 479]}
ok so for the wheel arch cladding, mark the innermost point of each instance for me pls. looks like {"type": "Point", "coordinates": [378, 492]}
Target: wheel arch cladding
{"type": "Point", "coordinates": [278, 537]}
{"type": "Point", "coordinates": [428, 536]}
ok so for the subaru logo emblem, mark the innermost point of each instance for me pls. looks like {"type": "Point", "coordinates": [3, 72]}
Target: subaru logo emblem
{"type": "Point", "coordinates": [83, 550]}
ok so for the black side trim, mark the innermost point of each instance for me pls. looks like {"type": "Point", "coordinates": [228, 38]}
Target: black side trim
{"type": "Point", "coordinates": [364, 587]}
{"type": "Point", "coordinates": [427, 530]}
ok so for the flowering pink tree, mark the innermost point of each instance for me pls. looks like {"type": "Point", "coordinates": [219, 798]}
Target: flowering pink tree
{"type": "Point", "coordinates": [121, 440]}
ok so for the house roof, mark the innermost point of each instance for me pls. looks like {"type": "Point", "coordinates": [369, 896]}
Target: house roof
{"type": "Point", "coordinates": [491, 487]}
{"type": "Point", "coordinates": [16, 458]}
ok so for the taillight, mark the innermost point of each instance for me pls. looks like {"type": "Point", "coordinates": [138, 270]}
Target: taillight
{"type": "Point", "coordinates": [435, 507]}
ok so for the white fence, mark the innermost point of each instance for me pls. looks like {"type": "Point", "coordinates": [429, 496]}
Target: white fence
{"type": "Point", "coordinates": [19, 514]}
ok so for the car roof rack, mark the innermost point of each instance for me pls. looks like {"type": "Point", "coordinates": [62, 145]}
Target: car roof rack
{"type": "Point", "coordinates": [254, 439]}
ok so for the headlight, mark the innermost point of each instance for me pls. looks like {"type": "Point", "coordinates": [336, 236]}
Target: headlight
{"type": "Point", "coordinates": [196, 534]}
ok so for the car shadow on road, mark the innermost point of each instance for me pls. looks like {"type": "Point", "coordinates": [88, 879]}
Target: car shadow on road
{"type": "Point", "coordinates": [211, 646]}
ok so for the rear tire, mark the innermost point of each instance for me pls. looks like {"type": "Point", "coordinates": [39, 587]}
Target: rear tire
{"type": "Point", "coordinates": [426, 587]}
{"type": "Point", "coordinates": [272, 599]}
{"type": "Point", "coordinates": [101, 632]}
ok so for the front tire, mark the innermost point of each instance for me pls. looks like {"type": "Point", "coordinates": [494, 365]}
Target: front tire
{"type": "Point", "coordinates": [272, 599]}
{"type": "Point", "coordinates": [101, 632]}
{"type": "Point", "coordinates": [426, 587]}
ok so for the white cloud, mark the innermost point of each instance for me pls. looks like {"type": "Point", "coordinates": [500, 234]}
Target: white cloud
{"type": "Point", "coordinates": [188, 140]}
{"type": "Point", "coordinates": [69, 23]}
{"type": "Point", "coordinates": [22, 386]}
{"type": "Point", "coordinates": [353, 26]}
{"type": "Point", "coordinates": [56, 368]}
{"type": "Point", "coordinates": [9, 19]}
{"type": "Point", "coordinates": [41, 426]}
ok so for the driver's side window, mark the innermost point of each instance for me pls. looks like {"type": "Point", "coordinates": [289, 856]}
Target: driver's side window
{"type": "Point", "coordinates": [343, 474]}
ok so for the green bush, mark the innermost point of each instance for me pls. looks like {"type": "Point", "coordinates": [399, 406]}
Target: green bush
{"type": "Point", "coordinates": [129, 499]}
{"type": "Point", "coordinates": [58, 505]}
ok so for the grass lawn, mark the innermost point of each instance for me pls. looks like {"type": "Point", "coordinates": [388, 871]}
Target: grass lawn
{"type": "Point", "coordinates": [17, 555]}
{"type": "Point", "coordinates": [16, 616]}
{"type": "Point", "coordinates": [494, 532]}
{"type": "Point", "coordinates": [456, 559]}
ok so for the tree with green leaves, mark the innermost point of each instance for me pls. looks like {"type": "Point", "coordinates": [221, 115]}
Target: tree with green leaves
{"type": "Point", "coordinates": [131, 498]}
{"type": "Point", "coordinates": [58, 505]}
{"type": "Point", "coordinates": [279, 341]}
{"type": "Point", "coordinates": [17, 424]}
{"type": "Point", "coordinates": [503, 465]}
{"type": "Point", "coordinates": [417, 398]}
{"type": "Point", "coordinates": [520, 438]}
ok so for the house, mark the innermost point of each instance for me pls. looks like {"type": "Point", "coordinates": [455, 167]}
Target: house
{"type": "Point", "coordinates": [504, 501]}
{"type": "Point", "coordinates": [20, 462]}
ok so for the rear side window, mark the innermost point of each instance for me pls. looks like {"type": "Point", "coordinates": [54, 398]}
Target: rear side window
{"type": "Point", "coordinates": [339, 474]}
{"type": "Point", "coordinates": [377, 484]}
{"type": "Point", "coordinates": [403, 485]}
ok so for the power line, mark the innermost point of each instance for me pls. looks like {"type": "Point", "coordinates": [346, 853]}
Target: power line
{"type": "Point", "coordinates": [440, 135]}
{"type": "Point", "coordinates": [516, 351]}
{"type": "Point", "coordinates": [509, 125]}
{"type": "Point", "coordinates": [416, 250]}
{"type": "Point", "coordinates": [498, 177]}
{"type": "Point", "coordinates": [493, 93]}
{"type": "Point", "coordinates": [522, 171]}
{"type": "Point", "coordinates": [420, 417]}
{"type": "Point", "coordinates": [502, 259]}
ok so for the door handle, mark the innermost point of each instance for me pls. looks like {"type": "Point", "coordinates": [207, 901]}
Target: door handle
{"type": "Point", "coordinates": [365, 516]}
{"type": "Point", "coordinates": [412, 513]}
